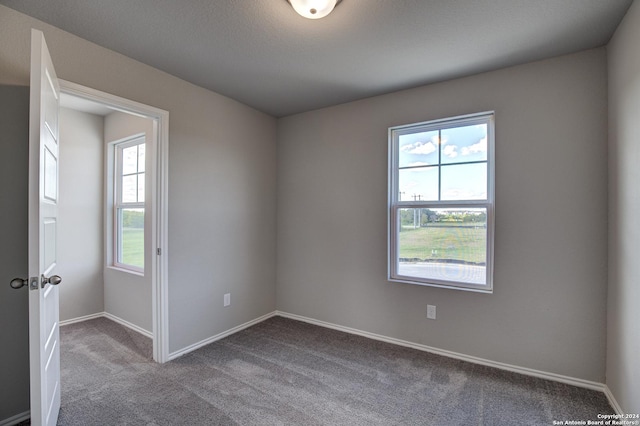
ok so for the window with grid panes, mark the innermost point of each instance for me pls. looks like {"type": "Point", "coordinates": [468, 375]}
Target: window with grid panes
{"type": "Point", "coordinates": [441, 202]}
{"type": "Point", "coordinates": [128, 205]}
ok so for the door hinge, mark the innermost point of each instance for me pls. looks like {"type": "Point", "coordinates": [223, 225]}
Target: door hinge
{"type": "Point", "coordinates": [158, 251]}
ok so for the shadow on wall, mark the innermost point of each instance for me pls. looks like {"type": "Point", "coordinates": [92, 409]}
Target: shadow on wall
{"type": "Point", "coordinates": [14, 306]}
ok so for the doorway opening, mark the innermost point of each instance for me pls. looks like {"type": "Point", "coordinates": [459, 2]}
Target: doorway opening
{"type": "Point", "coordinates": [132, 205]}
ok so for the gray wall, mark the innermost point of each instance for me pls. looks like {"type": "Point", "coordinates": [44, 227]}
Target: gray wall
{"type": "Point", "coordinates": [547, 311]}
{"type": "Point", "coordinates": [623, 319]}
{"type": "Point", "coordinates": [128, 296]}
{"type": "Point", "coordinates": [221, 187]}
{"type": "Point", "coordinates": [548, 308]}
{"type": "Point", "coordinates": [14, 304]}
{"type": "Point", "coordinates": [80, 246]}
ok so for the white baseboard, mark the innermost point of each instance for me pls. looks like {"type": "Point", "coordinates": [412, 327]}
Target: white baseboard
{"type": "Point", "coordinates": [128, 325]}
{"type": "Point", "coordinates": [80, 319]}
{"type": "Point", "coordinates": [513, 368]}
{"type": "Point", "coordinates": [219, 336]}
{"type": "Point", "coordinates": [14, 420]}
{"type": "Point", "coordinates": [463, 357]}
{"type": "Point", "coordinates": [112, 318]}
{"type": "Point", "coordinates": [612, 400]}
{"type": "Point", "coordinates": [476, 360]}
{"type": "Point", "coordinates": [522, 370]}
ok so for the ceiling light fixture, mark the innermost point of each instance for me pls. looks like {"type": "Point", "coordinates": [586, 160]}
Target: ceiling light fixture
{"type": "Point", "coordinates": [313, 9]}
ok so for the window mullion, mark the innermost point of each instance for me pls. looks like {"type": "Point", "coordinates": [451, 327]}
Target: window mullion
{"type": "Point", "coordinates": [439, 164]}
{"type": "Point", "coordinates": [442, 243]}
{"type": "Point", "coordinates": [128, 240]}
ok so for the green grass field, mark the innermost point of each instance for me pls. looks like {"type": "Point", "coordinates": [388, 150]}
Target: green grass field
{"type": "Point", "coordinates": [133, 246]}
{"type": "Point", "coordinates": [464, 243]}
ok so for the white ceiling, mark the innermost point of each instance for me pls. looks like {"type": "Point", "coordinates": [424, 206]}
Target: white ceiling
{"type": "Point", "coordinates": [262, 53]}
{"type": "Point", "coordinates": [85, 105]}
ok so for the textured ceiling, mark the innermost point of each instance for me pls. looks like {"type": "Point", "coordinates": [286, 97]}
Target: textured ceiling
{"type": "Point", "coordinates": [260, 52]}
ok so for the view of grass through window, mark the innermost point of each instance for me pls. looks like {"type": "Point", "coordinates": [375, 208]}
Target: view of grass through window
{"type": "Point", "coordinates": [441, 202]}
{"type": "Point", "coordinates": [132, 250]}
{"type": "Point", "coordinates": [129, 203]}
{"type": "Point", "coordinates": [443, 234]}
{"type": "Point", "coordinates": [443, 243]}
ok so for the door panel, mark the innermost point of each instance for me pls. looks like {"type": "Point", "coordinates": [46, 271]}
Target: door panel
{"type": "Point", "coordinates": [44, 336]}
{"type": "Point", "coordinates": [49, 245]}
{"type": "Point", "coordinates": [50, 173]}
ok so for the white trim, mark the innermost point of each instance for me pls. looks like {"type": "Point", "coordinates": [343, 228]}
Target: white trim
{"type": "Point", "coordinates": [125, 270]}
{"type": "Point", "coordinates": [587, 384]}
{"type": "Point", "coordinates": [612, 400]}
{"type": "Point", "coordinates": [395, 205]}
{"type": "Point", "coordinates": [159, 187]}
{"type": "Point", "coordinates": [128, 325]}
{"type": "Point", "coordinates": [117, 205]}
{"type": "Point", "coordinates": [193, 347]}
{"type": "Point", "coordinates": [500, 365]}
{"type": "Point", "coordinates": [522, 370]}
{"type": "Point", "coordinates": [160, 272]}
{"type": "Point", "coordinates": [112, 101]}
{"type": "Point", "coordinates": [111, 317]}
{"type": "Point", "coordinates": [13, 420]}
{"type": "Point", "coordinates": [81, 319]}
{"type": "Point", "coordinates": [450, 354]}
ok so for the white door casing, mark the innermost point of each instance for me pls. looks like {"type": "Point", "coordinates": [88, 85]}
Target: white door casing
{"type": "Point", "coordinates": [44, 336]}
{"type": "Point", "coordinates": [158, 153]}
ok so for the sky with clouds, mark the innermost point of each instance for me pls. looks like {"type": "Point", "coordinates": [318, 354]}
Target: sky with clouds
{"type": "Point", "coordinates": [425, 156]}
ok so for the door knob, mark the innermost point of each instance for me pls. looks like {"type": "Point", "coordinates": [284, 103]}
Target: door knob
{"type": "Point", "coordinates": [17, 283]}
{"type": "Point", "coordinates": [53, 280]}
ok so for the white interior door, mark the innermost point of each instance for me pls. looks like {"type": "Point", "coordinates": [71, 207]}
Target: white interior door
{"type": "Point", "coordinates": [44, 337]}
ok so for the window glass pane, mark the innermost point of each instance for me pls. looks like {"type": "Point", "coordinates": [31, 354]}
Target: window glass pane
{"type": "Point", "coordinates": [463, 144]}
{"type": "Point", "coordinates": [129, 189]}
{"type": "Point", "coordinates": [131, 232]}
{"type": "Point", "coordinates": [419, 184]}
{"type": "Point", "coordinates": [130, 160]}
{"type": "Point", "coordinates": [464, 182]}
{"type": "Point", "coordinates": [418, 149]}
{"type": "Point", "coordinates": [443, 244]}
{"type": "Point", "coordinates": [141, 188]}
{"type": "Point", "coordinates": [141, 153]}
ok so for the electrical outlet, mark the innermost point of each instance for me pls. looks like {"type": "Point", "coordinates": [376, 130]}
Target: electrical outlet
{"type": "Point", "coordinates": [431, 311]}
{"type": "Point", "coordinates": [227, 299]}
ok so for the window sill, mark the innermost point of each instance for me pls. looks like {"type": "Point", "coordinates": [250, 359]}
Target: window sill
{"type": "Point", "coordinates": [125, 270]}
{"type": "Point", "coordinates": [437, 285]}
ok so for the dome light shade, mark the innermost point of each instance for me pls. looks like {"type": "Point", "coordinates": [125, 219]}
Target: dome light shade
{"type": "Point", "coordinates": [313, 9]}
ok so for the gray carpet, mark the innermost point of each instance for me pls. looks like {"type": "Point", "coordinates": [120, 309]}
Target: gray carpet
{"type": "Point", "coordinates": [285, 372]}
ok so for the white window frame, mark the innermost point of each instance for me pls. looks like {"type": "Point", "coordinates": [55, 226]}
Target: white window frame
{"type": "Point", "coordinates": [118, 205]}
{"type": "Point", "coordinates": [395, 204]}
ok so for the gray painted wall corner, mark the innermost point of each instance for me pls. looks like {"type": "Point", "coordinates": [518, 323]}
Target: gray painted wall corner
{"type": "Point", "coordinates": [547, 311]}
{"type": "Point", "coordinates": [80, 244]}
{"type": "Point", "coordinates": [623, 333]}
